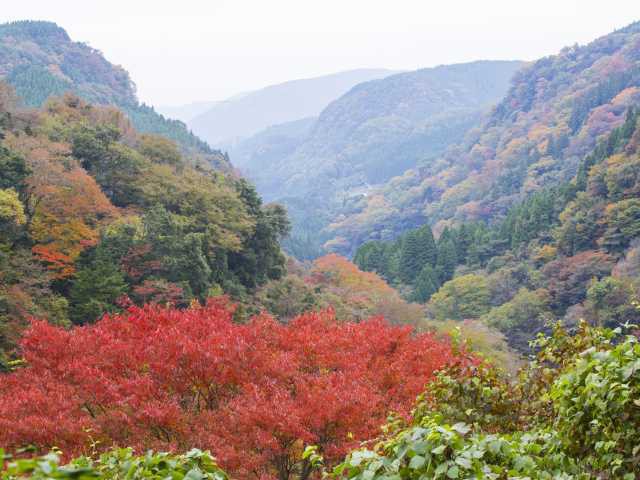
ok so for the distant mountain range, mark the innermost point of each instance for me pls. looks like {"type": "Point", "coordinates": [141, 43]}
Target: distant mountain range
{"type": "Point", "coordinates": [375, 131]}
{"type": "Point", "coordinates": [244, 115]}
{"type": "Point", "coordinates": [40, 60]}
{"type": "Point", "coordinates": [554, 113]}
{"type": "Point", "coordinates": [185, 113]}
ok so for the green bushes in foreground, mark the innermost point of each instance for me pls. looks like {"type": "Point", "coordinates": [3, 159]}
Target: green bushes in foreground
{"type": "Point", "coordinates": [117, 464]}
{"type": "Point", "coordinates": [573, 413]}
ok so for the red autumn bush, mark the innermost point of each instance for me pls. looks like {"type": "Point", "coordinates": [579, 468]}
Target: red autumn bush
{"type": "Point", "coordinates": [253, 394]}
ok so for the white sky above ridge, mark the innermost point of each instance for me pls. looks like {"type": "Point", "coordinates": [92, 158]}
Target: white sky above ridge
{"type": "Point", "coordinates": [179, 52]}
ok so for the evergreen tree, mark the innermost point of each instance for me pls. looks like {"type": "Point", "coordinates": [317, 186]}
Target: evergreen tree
{"type": "Point", "coordinates": [464, 240]}
{"type": "Point", "coordinates": [418, 249]}
{"type": "Point", "coordinates": [447, 256]}
{"type": "Point", "coordinates": [428, 252]}
{"type": "Point", "coordinates": [95, 291]}
{"type": "Point", "coordinates": [370, 257]}
{"type": "Point", "coordinates": [13, 170]}
{"type": "Point", "coordinates": [410, 257]}
{"type": "Point", "coordinates": [426, 284]}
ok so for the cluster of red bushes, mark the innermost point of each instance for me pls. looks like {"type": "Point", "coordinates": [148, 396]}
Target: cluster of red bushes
{"type": "Point", "coordinates": [254, 394]}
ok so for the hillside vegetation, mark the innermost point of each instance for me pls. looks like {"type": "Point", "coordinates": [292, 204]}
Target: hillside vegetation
{"type": "Point", "coordinates": [554, 114]}
{"type": "Point", "coordinates": [93, 212]}
{"type": "Point", "coordinates": [40, 60]}
{"type": "Point", "coordinates": [246, 114]}
{"type": "Point", "coordinates": [377, 130]}
{"type": "Point", "coordinates": [566, 252]}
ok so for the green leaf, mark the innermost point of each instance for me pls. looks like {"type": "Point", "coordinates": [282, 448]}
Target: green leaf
{"type": "Point", "coordinates": [439, 450]}
{"type": "Point", "coordinates": [417, 462]}
{"type": "Point", "coordinates": [464, 462]}
{"type": "Point", "coordinates": [461, 428]}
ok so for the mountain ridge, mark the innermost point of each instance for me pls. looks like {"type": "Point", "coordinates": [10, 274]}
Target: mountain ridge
{"type": "Point", "coordinates": [247, 114]}
{"type": "Point", "coordinates": [553, 114]}
{"type": "Point", "coordinates": [376, 130]}
{"type": "Point", "coordinates": [40, 60]}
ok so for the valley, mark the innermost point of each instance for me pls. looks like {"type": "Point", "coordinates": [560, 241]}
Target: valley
{"type": "Point", "coordinates": [376, 274]}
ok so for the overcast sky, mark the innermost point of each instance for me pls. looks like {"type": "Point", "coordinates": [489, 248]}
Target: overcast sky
{"type": "Point", "coordinates": [180, 51]}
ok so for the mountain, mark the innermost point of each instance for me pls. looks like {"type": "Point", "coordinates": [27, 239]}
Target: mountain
{"type": "Point", "coordinates": [257, 154]}
{"type": "Point", "coordinates": [92, 210]}
{"type": "Point", "coordinates": [565, 253]}
{"type": "Point", "coordinates": [247, 114]}
{"type": "Point", "coordinates": [377, 130]}
{"type": "Point", "coordinates": [553, 115]}
{"type": "Point", "coordinates": [185, 113]}
{"type": "Point", "coordinates": [40, 60]}
{"type": "Point", "coordinates": [382, 127]}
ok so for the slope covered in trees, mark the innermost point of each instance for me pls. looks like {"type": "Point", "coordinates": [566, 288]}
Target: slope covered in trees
{"type": "Point", "coordinates": [374, 132]}
{"type": "Point", "coordinates": [566, 252]}
{"type": "Point", "coordinates": [554, 114]}
{"type": "Point", "coordinates": [246, 114]}
{"type": "Point", "coordinates": [92, 212]}
{"type": "Point", "coordinates": [40, 60]}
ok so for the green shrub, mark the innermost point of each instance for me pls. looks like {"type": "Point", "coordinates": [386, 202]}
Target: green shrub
{"type": "Point", "coordinates": [116, 464]}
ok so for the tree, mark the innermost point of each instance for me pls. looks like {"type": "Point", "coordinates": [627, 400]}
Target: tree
{"type": "Point", "coordinates": [13, 170]}
{"type": "Point", "coordinates": [12, 216]}
{"type": "Point", "coordinates": [356, 295]}
{"type": "Point", "coordinates": [94, 292]}
{"type": "Point", "coordinates": [370, 257]}
{"type": "Point", "coordinates": [447, 256]}
{"type": "Point", "coordinates": [418, 250]}
{"type": "Point", "coordinates": [253, 394]}
{"type": "Point", "coordinates": [521, 318]}
{"type": "Point", "coordinates": [623, 225]}
{"type": "Point", "coordinates": [410, 257]}
{"type": "Point", "coordinates": [425, 285]}
{"type": "Point", "coordinates": [568, 278]}
{"type": "Point", "coordinates": [461, 298]}
{"type": "Point", "coordinates": [609, 302]}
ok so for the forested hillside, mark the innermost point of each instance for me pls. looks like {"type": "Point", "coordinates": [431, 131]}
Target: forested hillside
{"type": "Point", "coordinates": [556, 110]}
{"type": "Point", "coordinates": [377, 130]}
{"type": "Point", "coordinates": [567, 252]}
{"type": "Point", "coordinates": [246, 114]}
{"type": "Point", "coordinates": [93, 212]}
{"type": "Point", "coordinates": [40, 60]}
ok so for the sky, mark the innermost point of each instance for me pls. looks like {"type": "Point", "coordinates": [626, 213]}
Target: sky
{"type": "Point", "coordinates": [183, 51]}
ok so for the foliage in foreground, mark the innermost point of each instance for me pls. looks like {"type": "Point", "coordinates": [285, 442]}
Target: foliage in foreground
{"type": "Point", "coordinates": [119, 463]}
{"type": "Point", "coordinates": [255, 394]}
{"type": "Point", "coordinates": [573, 414]}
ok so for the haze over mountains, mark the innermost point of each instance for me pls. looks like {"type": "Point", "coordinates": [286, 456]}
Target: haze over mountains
{"type": "Point", "coordinates": [185, 113]}
{"type": "Point", "coordinates": [554, 113]}
{"type": "Point", "coordinates": [244, 115]}
{"type": "Point", "coordinates": [375, 131]}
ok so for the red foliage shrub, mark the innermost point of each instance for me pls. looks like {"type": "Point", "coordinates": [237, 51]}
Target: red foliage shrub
{"type": "Point", "coordinates": [254, 394]}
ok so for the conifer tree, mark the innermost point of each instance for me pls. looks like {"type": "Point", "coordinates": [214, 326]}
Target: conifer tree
{"type": "Point", "coordinates": [428, 251]}
{"type": "Point", "coordinates": [447, 256]}
{"type": "Point", "coordinates": [410, 257]}
{"type": "Point", "coordinates": [95, 292]}
{"type": "Point", "coordinates": [426, 284]}
{"type": "Point", "coordinates": [419, 249]}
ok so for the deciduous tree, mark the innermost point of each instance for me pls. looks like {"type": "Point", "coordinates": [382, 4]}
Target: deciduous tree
{"type": "Point", "coordinates": [254, 394]}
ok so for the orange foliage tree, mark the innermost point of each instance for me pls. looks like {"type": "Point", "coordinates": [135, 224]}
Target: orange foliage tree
{"type": "Point", "coordinates": [65, 205]}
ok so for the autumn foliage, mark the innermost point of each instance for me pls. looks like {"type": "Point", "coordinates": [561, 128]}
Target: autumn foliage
{"type": "Point", "coordinates": [254, 394]}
